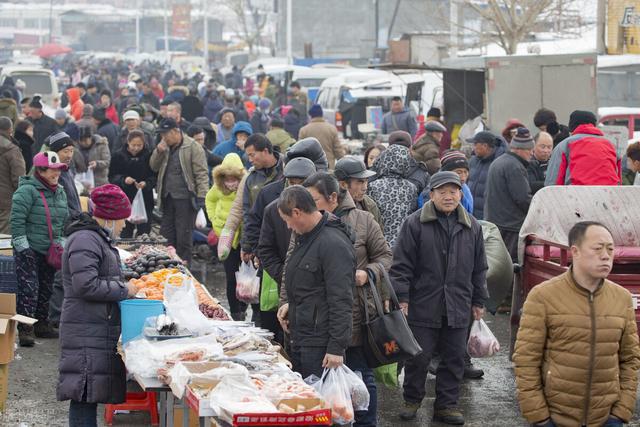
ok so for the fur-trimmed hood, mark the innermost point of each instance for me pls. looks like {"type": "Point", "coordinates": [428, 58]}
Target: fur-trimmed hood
{"type": "Point", "coordinates": [231, 166]}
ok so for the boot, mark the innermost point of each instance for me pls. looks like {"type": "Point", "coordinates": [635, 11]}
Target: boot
{"type": "Point", "coordinates": [471, 372]}
{"type": "Point", "coordinates": [25, 336]}
{"type": "Point", "coordinates": [450, 416]}
{"type": "Point", "coordinates": [409, 411]}
{"type": "Point", "coordinates": [43, 329]}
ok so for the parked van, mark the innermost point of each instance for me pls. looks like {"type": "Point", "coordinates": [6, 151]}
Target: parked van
{"type": "Point", "coordinates": [38, 81]}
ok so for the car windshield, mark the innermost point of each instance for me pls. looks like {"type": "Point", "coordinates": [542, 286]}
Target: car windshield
{"type": "Point", "coordinates": [35, 83]}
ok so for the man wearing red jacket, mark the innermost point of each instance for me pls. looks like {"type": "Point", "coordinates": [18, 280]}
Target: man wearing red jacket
{"type": "Point", "coordinates": [586, 157]}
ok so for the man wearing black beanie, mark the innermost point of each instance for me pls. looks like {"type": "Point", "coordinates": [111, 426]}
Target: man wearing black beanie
{"type": "Point", "coordinates": [43, 125]}
{"type": "Point", "coordinates": [586, 157]}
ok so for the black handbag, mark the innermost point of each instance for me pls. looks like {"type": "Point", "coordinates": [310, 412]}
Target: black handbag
{"type": "Point", "coordinates": [387, 337]}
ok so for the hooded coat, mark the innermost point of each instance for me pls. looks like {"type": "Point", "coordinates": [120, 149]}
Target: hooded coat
{"type": "Point", "coordinates": [220, 199]}
{"type": "Point", "coordinates": [77, 105]}
{"type": "Point", "coordinates": [90, 367]}
{"type": "Point", "coordinates": [280, 138]}
{"type": "Point", "coordinates": [478, 173]}
{"type": "Point", "coordinates": [9, 108]}
{"type": "Point", "coordinates": [98, 152]}
{"type": "Point", "coordinates": [394, 194]}
{"type": "Point", "coordinates": [427, 150]}
{"type": "Point", "coordinates": [229, 146]}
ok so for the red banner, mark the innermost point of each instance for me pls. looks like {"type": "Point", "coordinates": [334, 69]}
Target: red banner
{"type": "Point", "coordinates": [181, 22]}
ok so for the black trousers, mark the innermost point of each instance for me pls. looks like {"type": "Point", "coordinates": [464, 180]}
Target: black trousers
{"type": "Point", "coordinates": [451, 344]}
{"type": "Point", "coordinates": [178, 222]}
{"type": "Point", "coordinates": [307, 361]}
{"type": "Point", "coordinates": [231, 265]}
{"type": "Point", "coordinates": [510, 239]}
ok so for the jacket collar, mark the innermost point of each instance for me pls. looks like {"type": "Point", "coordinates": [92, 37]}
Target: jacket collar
{"type": "Point", "coordinates": [520, 159]}
{"type": "Point", "coordinates": [429, 214]}
{"type": "Point", "coordinates": [580, 289]}
{"type": "Point", "coordinates": [347, 204]}
{"type": "Point", "coordinates": [317, 119]}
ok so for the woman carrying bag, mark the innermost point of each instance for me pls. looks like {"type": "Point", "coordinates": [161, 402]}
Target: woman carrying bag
{"type": "Point", "coordinates": [373, 255]}
{"type": "Point", "coordinates": [38, 212]}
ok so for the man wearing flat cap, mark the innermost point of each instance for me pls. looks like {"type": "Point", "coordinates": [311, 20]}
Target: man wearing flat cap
{"type": "Point", "coordinates": [438, 273]}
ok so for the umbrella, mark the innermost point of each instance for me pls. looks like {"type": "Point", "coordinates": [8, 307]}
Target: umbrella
{"type": "Point", "coordinates": [52, 49]}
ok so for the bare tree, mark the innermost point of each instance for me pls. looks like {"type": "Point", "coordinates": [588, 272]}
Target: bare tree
{"type": "Point", "coordinates": [250, 20]}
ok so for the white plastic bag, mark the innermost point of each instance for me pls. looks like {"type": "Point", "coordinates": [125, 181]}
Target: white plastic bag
{"type": "Point", "coordinates": [235, 396]}
{"type": "Point", "coordinates": [482, 342]}
{"type": "Point", "coordinates": [247, 284]}
{"type": "Point", "coordinates": [86, 180]}
{"type": "Point", "coordinates": [201, 219]}
{"type": "Point", "coordinates": [182, 305]}
{"type": "Point", "coordinates": [336, 391]}
{"type": "Point", "coordinates": [138, 211]}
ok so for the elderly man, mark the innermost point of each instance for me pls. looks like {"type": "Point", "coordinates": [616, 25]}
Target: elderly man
{"type": "Point", "coordinates": [508, 193]}
{"type": "Point", "coordinates": [174, 111]}
{"type": "Point", "coordinates": [577, 355]}
{"type": "Point", "coordinates": [538, 163]}
{"type": "Point", "coordinates": [438, 272]}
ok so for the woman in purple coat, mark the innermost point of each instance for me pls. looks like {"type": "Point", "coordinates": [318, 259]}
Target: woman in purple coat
{"type": "Point", "coordinates": [91, 371]}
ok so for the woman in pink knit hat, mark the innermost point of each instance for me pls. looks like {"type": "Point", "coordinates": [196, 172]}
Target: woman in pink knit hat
{"type": "Point", "coordinates": [91, 371]}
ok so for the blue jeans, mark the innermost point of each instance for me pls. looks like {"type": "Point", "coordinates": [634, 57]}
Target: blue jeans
{"type": "Point", "coordinates": [357, 362]}
{"type": "Point", "coordinates": [83, 414]}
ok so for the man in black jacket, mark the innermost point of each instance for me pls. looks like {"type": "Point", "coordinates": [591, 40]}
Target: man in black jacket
{"type": "Point", "coordinates": [537, 169]}
{"type": "Point", "coordinates": [107, 129]}
{"type": "Point", "coordinates": [438, 272]}
{"type": "Point", "coordinates": [43, 125]}
{"type": "Point", "coordinates": [320, 282]}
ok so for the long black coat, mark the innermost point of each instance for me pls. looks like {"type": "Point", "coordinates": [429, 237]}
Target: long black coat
{"type": "Point", "coordinates": [111, 131]}
{"type": "Point", "coordinates": [436, 274]}
{"type": "Point", "coordinates": [253, 220]}
{"type": "Point", "coordinates": [42, 128]}
{"type": "Point", "coordinates": [123, 164]}
{"type": "Point", "coordinates": [90, 368]}
{"type": "Point", "coordinates": [274, 242]}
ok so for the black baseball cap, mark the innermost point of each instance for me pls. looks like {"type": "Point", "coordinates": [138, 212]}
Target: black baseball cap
{"type": "Point", "coordinates": [166, 125]}
{"type": "Point", "coordinates": [483, 137]}
{"type": "Point", "coordinates": [350, 167]}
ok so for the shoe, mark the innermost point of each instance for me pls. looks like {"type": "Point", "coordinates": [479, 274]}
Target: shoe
{"type": "Point", "coordinates": [43, 329]}
{"type": "Point", "coordinates": [450, 416]}
{"type": "Point", "coordinates": [433, 366]}
{"type": "Point", "coordinates": [472, 373]}
{"type": "Point", "coordinates": [409, 411]}
{"type": "Point", "coordinates": [25, 336]}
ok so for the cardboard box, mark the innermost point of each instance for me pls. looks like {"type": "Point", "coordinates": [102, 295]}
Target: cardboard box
{"type": "Point", "coordinates": [8, 322]}
{"type": "Point", "coordinates": [4, 385]}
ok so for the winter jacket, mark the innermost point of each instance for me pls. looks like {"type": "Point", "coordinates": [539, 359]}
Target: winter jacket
{"type": "Point", "coordinates": [394, 194]}
{"type": "Point", "coordinates": [124, 165]}
{"type": "Point", "coordinates": [369, 205]}
{"type": "Point", "coordinates": [112, 114]}
{"type": "Point", "coordinates": [293, 122]}
{"type": "Point", "coordinates": [9, 108]}
{"type": "Point", "coordinates": [43, 127]}
{"type": "Point", "coordinates": [274, 241]}
{"type": "Point", "coordinates": [90, 367]}
{"type": "Point", "coordinates": [28, 218]}
{"type": "Point", "coordinates": [537, 172]}
{"type": "Point", "coordinates": [212, 107]}
{"type": "Point", "coordinates": [194, 168]}
{"type": "Point", "coordinates": [148, 139]}
{"type": "Point", "coordinates": [577, 356]}
{"type": "Point", "coordinates": [25, 142]}
{"type": "Point", "coordinates": [253, 220]}
{"type": "Point", "coordinates": [260, 121]}
{"type": "Point", "coordinates": [427, 151]}
{"type": "Point", "coordinates": [372, 253]}
{"type": "Point", "coordinates": [256, 180]}
{"type": "Point", "coordinates": [99, 153]}
{"type": "Point", "coordinates": [467, 199]}
{"type": "Point", "coordinates": [280, 138]}
{"type": "Point", "coordinates": [319, 282]}
{"type": "Point", "coordinates": [219, 199]}
{"type": "Point", "coordinates": [478, 172]}
{"type": "Point", "coordinates": [70, 190]}
{"type": "Point", "coordinates": [191, 107]}
{"type": "Point", "coordinates": [585, 158]}
{"type": "Point", "coordinates": [403, 120]}
{"type": "Point", "coordinates": [229, 146]}
{"type": "Point", "coordinates": [437, 273]}
{"type": "Point", "coordinates": [111, 131]}
{"type": "Point", "coordinates": [77, 105]}
{"type": "Point", "coordinates": [508, 194]}
{"type": "Point", "coordinates": [151, 99]}
{"type": "Point", "coordinates": [12, 167]}
{"type": "Point", "coordinates": [327, 135]}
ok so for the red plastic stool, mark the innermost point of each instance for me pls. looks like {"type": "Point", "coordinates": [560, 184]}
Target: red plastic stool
{"type": "Point", "coordinates": [135, 402]}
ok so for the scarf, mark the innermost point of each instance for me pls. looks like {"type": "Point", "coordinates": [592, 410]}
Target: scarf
{"type": "Point", "coordinates": [44, 182]}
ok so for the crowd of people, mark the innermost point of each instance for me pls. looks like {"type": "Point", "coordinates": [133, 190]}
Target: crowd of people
{"type": "Point", "coordinates": [280, 192]}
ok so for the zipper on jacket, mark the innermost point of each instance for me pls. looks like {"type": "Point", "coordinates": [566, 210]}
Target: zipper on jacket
{"type": "Point", "coordinates": [592, 357]}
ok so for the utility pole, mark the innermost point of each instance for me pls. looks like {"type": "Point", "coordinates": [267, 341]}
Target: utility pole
{"type": "Point", "coordinates": [166, 31]}
{"type": "Point", "coordinates": [289, 30]}
{"type": "Point", "coordinates": [453, 28]}
{"type": "Point", "coordinates": [138, 26]}
{"type": "Point", "coordinates": [377, 27]}
{"type": "Point", "coordinates": [50, 21]}
{"type": "Point", "coordinates": [600, 32]}
{"type": "Point", "coordinates": [205, 36]}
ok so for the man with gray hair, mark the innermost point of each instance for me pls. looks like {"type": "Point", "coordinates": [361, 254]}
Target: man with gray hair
{"type": "Point", "coordinates": [540, 160]}
{"type": "Point", "coordinates": [508, 193]}
{"type": "Point", "coordinates": [12, 167]}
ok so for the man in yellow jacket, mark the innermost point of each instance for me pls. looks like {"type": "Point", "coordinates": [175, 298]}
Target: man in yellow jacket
{"type": "Point", "coordinates": [577, 354]}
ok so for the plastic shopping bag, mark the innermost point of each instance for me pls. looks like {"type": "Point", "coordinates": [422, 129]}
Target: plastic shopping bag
{"type": "Point", "coordinates": [387, 374]}
{"type": "Point", "coordinates": [269, 297]}
{"type": "Point", "coordinates": [86, 180]}
{"type": "Point", "coordinates": [344, 392]}
{"type": "Point", "coordinates": [138, 211]}
{"type": "Point", "coordinates": [181, 301]}
{"type": "Point", "coordinates": [482, 342]}
{"type": "Point", "coordinates": [201, 219]}
{"type": "Point", "coordinates": [248, 284]}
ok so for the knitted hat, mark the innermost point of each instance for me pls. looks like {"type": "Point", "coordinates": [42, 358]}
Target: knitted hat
{"type": "Point", "coordinates": [400, 137]}
{"type": "Point", "coordinates": [454, 159]}
{"type": "Point", "coordinates": [522, 140]}
{"type": "Point", "coordinates": [59, 141]}
{"type": "Point", "coordinates": [100, 114]}
{"type": "Point", "coordinates": [73, 131]}
{"type": "Point", "coordinates": [35, 102]}
{"type": "Point", "coordinates": [264, 104]}
{"type": "Point", "coordinates": [131, 115]}
{"type": "Point", "coordinates": [60, 114]}
{"type": "Point", "coordinates": [315, 111]}
{"type": "Point", "coordinates": [580, 117]}
{"type": "Point", "coordinates": [110, 202]}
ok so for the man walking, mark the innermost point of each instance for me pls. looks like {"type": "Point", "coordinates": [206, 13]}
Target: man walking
{"type": "Point", "coordinates": [438, 273]}
{"type": "Point", "coordinates": [319, 282]}
{"type": "Point", "coordinates": [539, 162]}
{"type": "Point", "coordinates": [43, 125]}
{"type": "Point", "coordinates": [577, 355]}
{"type": "Point", "coordinates": [399, 118]}
{"type": "Point", "coordinates": [183, 182]}
{"type": "Point", "coordinates": [508, 193]}
{"type": "Point", "coordinates": [325, 133]}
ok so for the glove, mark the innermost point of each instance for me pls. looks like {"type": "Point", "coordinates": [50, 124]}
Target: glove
{"type": "Point", "coordinates": [224, 244]}
{"type": "Point", "coordinates": [200, 203]}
